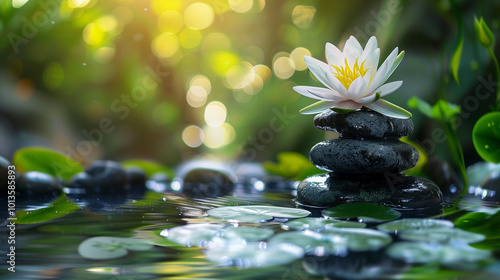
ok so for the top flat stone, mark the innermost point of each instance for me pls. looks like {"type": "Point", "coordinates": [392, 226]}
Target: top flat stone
{"type": "Point", "coordinates": [363, 124]}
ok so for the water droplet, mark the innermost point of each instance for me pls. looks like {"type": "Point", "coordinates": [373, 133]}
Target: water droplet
{"type": "Point", "coordinates": [84, 64]}
{"type": "Point", "coordinates": [164, 199]}
{"type": "Point", "coordinates": [145, 9]}
{"type": "Point", "coordinates": [53, 22]}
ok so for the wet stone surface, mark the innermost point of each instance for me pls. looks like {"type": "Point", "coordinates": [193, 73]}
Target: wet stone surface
{"type": "Point", "coordinates": [393, 190]}
{"type": "Point", "coordinates": [363, 124]}
{"type": "Point", "coordinates": [363, 156]}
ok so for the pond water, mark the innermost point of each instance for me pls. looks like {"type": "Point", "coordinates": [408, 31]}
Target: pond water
{"type": "Point", "coordinates": [51, 249]}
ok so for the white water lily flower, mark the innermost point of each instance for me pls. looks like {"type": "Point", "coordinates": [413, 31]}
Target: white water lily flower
{"type": "Point", "coordinates": [353, 80]}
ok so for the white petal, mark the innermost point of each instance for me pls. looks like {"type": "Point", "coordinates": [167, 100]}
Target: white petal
{"type": "Point", "coordinates": [352, 50]}
{"type": "Point", "coordinates": [372, 61]}
{"type": "Point", "coordinates": [386, 108]}
{"type": "Point", "coordinates": [335, 84]}
{"type": "Point", "coordinates": [371, 45]}
{"type": "Point", "coordinates": [315, 92]}
{"type": "Point", "coordinates": [388, 88]}
{"type": "Point", "coordinates": [318, 68]}
{"type": "Point", "coordinates": [348, 104]}
{"type": "Point", "coordinates": [378, 78]}
{"type": "Point", "coordinates": [382, 91]}
{"type": "Point", "coordinates": [390, 62]}
{"type": "Point", "coordinates": [333, 55]}
{"type": "Point", "coordinates": [394, 65]}
{"type": "Point", "coordinates": [357, 88]}
{"type": "Point", "coordinates": [317, 107]}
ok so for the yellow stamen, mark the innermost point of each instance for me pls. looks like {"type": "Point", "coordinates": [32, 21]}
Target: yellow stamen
{"type": "Point", "coordinates": [346, 75]}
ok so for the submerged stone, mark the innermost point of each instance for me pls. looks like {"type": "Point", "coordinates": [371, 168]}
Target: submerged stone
{"type": "Point", "coordinates": [393, 190]}
{"type": "Point", "coordinates": [203, 182]}
{"type": "Point", "coordinates": [35, 186]}
{"type": "Point", "coordinates": [363, 124]}
{"type": "Point", "coordinates": [363, 156]}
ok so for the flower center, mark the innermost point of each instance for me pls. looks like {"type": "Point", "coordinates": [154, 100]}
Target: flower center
{"type": "Point", "coordinates": [346, 75]}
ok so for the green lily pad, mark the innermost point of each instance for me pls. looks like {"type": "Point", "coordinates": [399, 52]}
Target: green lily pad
{"type": "Point", "coordinates": [486, 137]}
{"type": "Point", "coordinates": [149, 167]}
{"type": "Point", "coordinates": [363, 211]}
{"type": "Point", "coordinates": [60, 207]}
{"type": "Point", "coordinates": [414, 252]}
{"type": "Point", "coordinates": [441, 235]}
{"type": "Point", "coordinates": [199, 235]}
{"type": "Point", "coordinates": [103, 247]}
{"type": "Point", "coordinates": [252, 255]}
{"type": "Point", "coordinates": [319, 223]}
{"type": "Point", "coordinates": [459, 254]}
{"type": "Point", "coordinates": [46, 161]}
{"type": "Point", "coordinates": [256, 213]}
{"type": "Point", "coordinates": [414, 223]}
{"type": "Point", "coordinates": [311, 241]}
{"type": "Point", "coordinates": [359, 239]}
{"type": "Point", "coordinates": [246, 233]}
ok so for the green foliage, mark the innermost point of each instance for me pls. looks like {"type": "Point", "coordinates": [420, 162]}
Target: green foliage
{"type": "Point", "coordinates": [483, 223]}
{"type": "Point", "coordinates": [366, 211]}
{"type": "Point", "coordinates": [255, 213]}
{"type": "Point", "coordinates": [484, 35]}
{"type": "Point", "coordinates": [455, 60]}
{"type": "Point", "coordinates": [486, 137]}
{"type": "Point", "coordinates": [60, 207]}
{"type": "Point", "coordinates": [442, 110]}
{"type": "Point", "coordinates": [149, 167]}
{"type": "Point", "coordinates": [291, 165]}
{"type": "Point", "coordinates": [46, 161]}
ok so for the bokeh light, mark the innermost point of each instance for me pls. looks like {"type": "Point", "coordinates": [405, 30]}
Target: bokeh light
{"type": "Point", "coordinates": [104, 55]}
{"type": "Point", "coordinates": [201, 81]}
{"type": "Point", "coordinates": [283, 67]}
{"type": "Point", "coordinates": [297, 56]}
{"type": "Point", "coordinates": [240, 6]}
{"type": "Point", "coordinates": [159, 6]}
{"type": "Point", "coordinates": [193, 136]}
{"type": "Point", "coordinates": [198, 16]}
{"type": "Point", "coordinates": [170, 21]}
{"type": "Point", "coordinates": [19, 3]}
{"type": "Point", "coordinates": [240, 76]}
{"type": "Point", "coordinates": [77, 3]}
{"type": "Point", "coordinates": [215, 114]}
{"type": "Point", "coordinates": [303, 15]}
{"type": "Point", "coordinates": [165, 45]}
{"type": "Point", "coordinates": [189, 38]}
{"type": "Point", "coordinates": [93, 34]}
{"type": "Point", "coordinates": [196, 96]}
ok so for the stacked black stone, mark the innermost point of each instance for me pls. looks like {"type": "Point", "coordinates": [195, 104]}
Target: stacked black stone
{"type": "Point", "coordinates": [366, 163]}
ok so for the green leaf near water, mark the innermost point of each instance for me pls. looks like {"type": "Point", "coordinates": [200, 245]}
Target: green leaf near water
{"type": "Point", "coordinates": [46, 161]}
{"type": "Point", "coordinates": [441, 235]}
{"type": "Point", "coordinates": [486, 137]}
{"type": "Point", "coordinates": [311, 223]}
{"type": "Point", "coordinates": [256, 213]}
{"type": "Point", "coordinates": [149, 167]}
{"type": "Point", "coordinates": [455, 60]}
{"type": "Point", "coordinates": [442, 110]}
{"type": "Point", "coordinates": [414, 223]}
{"type": "Point", "coordinates": [104, 247]}
{"type": "Point", "coordinates": [60, 207]}
{"type": "Point", "coordinates": [366, 211]}
{"type": "Point", "coordinates": [291, 165]}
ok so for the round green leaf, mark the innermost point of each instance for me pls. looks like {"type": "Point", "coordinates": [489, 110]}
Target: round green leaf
{"type": "Point", "coordinates": [194, 234]}
{"type": "Point", "coordinates": [441, 235]}
{"type": "Point", "coordinates": [309, 241]}
{"type": "Point", "coordinates": [60, 207]}
{"type": "Point", "coordinates": [256, 213]}
{"type": "Point", "coordinates": [46, 161]}
{"type": "Point", "coordinates": [486, 137]}
{"type": "Point", "coordinates": [319, 223]}
{"type": "Point", "coordinates": [254, 255]}
{"type": "Point", "coordinates": [103, 247]}
{"type": "Point", "coordinates": [414, 252]}
{"type": "Point", "coordinates": [359, 239]}
{"type": "Point", "coordinates": [246, 233]}
{"type": "Point", "coordinates": [363, 211]}
{"type": "Point", "coordinates": [414, 223]}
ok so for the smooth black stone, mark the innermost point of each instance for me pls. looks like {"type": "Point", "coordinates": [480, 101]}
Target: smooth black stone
{"type": "Point", "coordinates": [492, 187]}
{"type": "Point", "coordinates": [100, 177]}
{"type": "Point", "coordinates": [34, 186]}
{"type": "Point", "coordinates": [443, 175]}
{"type": "Point", "coordinates": [202, 182]}
{"type": "Point", "coordinates": [363, 124]}
{"type": "Point", "coordinates": [136, 176]}
{"type": "Point", "coordinates": [363, 156]}
{"type": "Point", "coordinates": [394, 190]}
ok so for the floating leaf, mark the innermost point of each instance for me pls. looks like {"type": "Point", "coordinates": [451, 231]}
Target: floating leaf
{"type": "Point", "coordinates": [292, 165]}
{"type": "Point", "coordinates": [455, 255]}
{"type": "Point", "coordinates": [246, 233]}
{"type": "Point", "coordinates": [478, 172]}
{"type": "Point", "coordinates": [366, 211]}
{"type": "Point", "coordinates": [254, 255]}
{"type": "Point", "coordinates": [199, 235]}
{"type": "Point", "coordinates": [103, 247]}
{"type": "Point", "coordinates": [60, 207]}
{"type": "Point", "coordinates": [310, 241]}
{"type": "Point", "coordinates": [482, 223]}
{"type": "Point", "coordinates": [414, 252]}
{"type": "Point", "coordinates": [414, 223]}
{"type": "Point", "coordinates": [149, 167]}
{"type": "Point", "coordinates": [319, 223]}
{"type": "Point", "coordinates": [46, 161]}
{"type": "Point", "coordinates": [441, 235]}
{"type": "Point", "coordinates": [486, 137]}
{"type": "Point", "coordinates": [256, 213]}
{"type": "Point", "coordinates": [359, 239]}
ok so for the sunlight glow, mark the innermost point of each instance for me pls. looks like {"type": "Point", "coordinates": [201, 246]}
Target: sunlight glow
{"type": "Point", "coordinates": [170, 21]}
{"type": "Point", "coordinates": [165, 45]}
{"type": "Point", "coordinates": [192, 136]}
{"type": "Point", "coordinates": [199, 16]}
{"type": "Point", "coordinates": [215, 114]}
{"type": "Point", "coordinates": [19, 3]}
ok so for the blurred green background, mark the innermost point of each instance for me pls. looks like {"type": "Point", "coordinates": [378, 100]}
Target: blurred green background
{"type": "Point", "coordinates": [171, 79]}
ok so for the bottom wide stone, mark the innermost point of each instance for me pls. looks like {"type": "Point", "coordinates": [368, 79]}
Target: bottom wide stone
{"type": "Point", "coordinates": [397, 191]}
